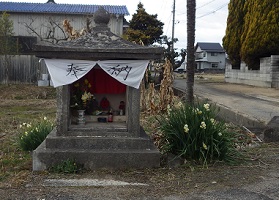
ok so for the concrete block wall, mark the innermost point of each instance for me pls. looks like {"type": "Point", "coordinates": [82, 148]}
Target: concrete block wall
{"type": "Point", "coordinates": [275, 71]}
{"type": "Point", "coordinates": [267, 76]}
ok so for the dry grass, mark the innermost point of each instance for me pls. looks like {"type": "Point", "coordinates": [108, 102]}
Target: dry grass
{"type": "Point", "coordinates": [203, 77]}
{"type": "Point", "coordinates": [20, 103]}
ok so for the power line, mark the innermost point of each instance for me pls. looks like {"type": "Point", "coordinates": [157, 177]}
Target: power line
{"type": "Point", "coordinates": [209, 13]}
{"type": "Point", "coordinates": [170, 18]}
{"type": "Point", "coordinates": [212, 12]}
{"type": "Point", "coordinates": [205, 4]}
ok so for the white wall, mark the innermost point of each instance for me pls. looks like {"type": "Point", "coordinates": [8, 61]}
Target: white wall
{"type": "Point", "coordinates": [206, 62]}
{"type": "Point", "coordinates": [220, 58]}
{"type": "Point", "coordinates": [40, 23]}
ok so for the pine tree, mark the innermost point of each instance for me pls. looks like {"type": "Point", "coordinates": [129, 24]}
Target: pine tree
{"type": "Point", "coordinates": [260, 36]}
{"type": "Point", "coordinates": [235, 22]}
{"type": "Point", "coordinates": [144, 28]}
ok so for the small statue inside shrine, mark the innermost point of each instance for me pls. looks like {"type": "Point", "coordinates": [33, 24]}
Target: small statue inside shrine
{"type": "Point", "coordinates": [122, 108]}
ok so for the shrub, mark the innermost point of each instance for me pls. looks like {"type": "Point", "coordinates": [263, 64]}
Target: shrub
{"type": "Point", "coordinates": [34, 133]}
{"type": "Point", "coordinates": [193, 133]}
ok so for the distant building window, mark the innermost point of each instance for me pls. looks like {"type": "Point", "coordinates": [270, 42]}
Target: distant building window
{"type": "Point", "coordinates": [214, 54]}
{"type": "Point", "coordinates": [214, 65]}
{"type": "Point", "coordinates": [204, 54]}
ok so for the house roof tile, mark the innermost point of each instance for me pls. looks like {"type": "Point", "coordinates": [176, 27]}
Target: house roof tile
{"type": "Point", "coordinates": [59, 8]}
{"type": "Point", "coordinates": [212, 47]}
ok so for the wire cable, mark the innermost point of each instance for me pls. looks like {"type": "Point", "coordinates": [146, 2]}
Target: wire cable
{"type": "Point", "coordinates": [205, 4]}
{"type": "Point", "coordinates": [212, 12]}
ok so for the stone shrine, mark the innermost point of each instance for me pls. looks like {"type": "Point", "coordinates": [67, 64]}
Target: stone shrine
{"type": "Point", "coordinates": [113, 68]}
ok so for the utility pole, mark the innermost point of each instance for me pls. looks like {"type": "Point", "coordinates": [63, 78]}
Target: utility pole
{"type": "Point", "coordinates": [173, 23]}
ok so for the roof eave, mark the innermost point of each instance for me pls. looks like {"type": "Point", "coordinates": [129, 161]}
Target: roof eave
{"type": "Point", "coordinates": [99, 54]}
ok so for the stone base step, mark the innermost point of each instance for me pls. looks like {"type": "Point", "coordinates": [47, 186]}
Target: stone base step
{"type": "Point", "coordinates": [104, 150]}
{"type": "Point", "coordinates": [44, 158]}
{"type": "Point", "coordinates": [98, 133]}
{"type": "Point", "coordinates": [95, 130]}
{"type": "Point", "coordinates": [98, 143]}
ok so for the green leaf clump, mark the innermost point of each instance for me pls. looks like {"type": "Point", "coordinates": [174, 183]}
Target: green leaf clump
{"type": "Point", "coordinates": [192, 132]}
{"type": "Point", "coordinates": [33, 134]}
{"type": "Point", "coordinates": [68, 166]}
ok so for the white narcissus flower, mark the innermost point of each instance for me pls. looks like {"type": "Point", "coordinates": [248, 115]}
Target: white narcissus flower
{"type": "Point", "coordinates": [186, 128]}
{"type": "Point", "coordinates": [198, 111]}
{"type": "Point", "coordinates": [169, 109]}
{"type": "Point", "coordinates": [204, 146]}
{"type": "Point", "coordinates": [45, 118]}
{"type": "Point", "coordinates": [213, 121]}
{"type": "Point", "coordinates": [206, 106]}
{"type": "Point", "coordinates": [203, 125]}
{"type": "Point", "coordinates": [220, 134]}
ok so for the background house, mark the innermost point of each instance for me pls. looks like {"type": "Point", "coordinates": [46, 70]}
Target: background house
{"type": "Point", "coordinates": [44, 22]}
{"type": "Point", "coordinates": [210, 56]}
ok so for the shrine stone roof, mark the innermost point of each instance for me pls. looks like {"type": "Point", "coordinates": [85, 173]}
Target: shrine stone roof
{"type": "Point", "coordinates": [99, 44]}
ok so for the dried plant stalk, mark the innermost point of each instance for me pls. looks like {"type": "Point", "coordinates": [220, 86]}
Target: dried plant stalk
{"type": "Point", "coordinates": [166, 91]}
{"type": "Point", "coordinates": [153, 101]}
{"type": "Point", "coordinates": [72, 33]}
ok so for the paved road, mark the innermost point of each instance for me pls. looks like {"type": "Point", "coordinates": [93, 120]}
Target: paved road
{"type": "Point", "coordinates": [258, 104]}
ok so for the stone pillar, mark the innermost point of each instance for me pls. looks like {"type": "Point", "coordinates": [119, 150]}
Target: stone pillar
{"type": "Point", "coordinates": [63, 109]}
{"type": "Point", "coordinates": [133, 121]}
{"type": "Point", "coordinates": [275, 71]}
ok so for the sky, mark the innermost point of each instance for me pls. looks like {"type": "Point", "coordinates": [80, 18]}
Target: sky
{"type": "Point", "coordinates": [211, 16]}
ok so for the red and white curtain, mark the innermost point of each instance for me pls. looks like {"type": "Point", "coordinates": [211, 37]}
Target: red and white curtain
{"type": "Point", "coordinates": [64, 72]}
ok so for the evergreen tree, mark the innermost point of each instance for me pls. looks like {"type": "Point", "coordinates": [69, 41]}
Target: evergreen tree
{"type": "Point", "coordinates": [7, 43]}
{"type": "Point", "coordinates": [6, 33]}
{"type": "Point", "coordinates": [144, 28]}
{"type": "Point", "coordinates": [235, 22]}
{"type": "Point", "coordinates": [260, 36]}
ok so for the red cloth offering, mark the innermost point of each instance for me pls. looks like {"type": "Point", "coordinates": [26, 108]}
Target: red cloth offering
{"type": "Point", "coordinates": [102, 83]}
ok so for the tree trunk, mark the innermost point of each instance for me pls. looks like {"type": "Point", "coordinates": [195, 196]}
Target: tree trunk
{"type": "Point", "coordinates": [191, 24]}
